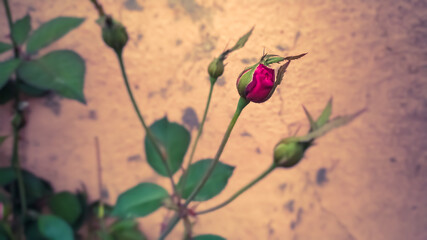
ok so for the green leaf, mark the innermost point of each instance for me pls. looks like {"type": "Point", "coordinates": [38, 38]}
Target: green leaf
{"type": "Point", "coordinates": [7, 175]}
{"type": "Point", "coordinates": [35, 187]}
{"type": "Point", "coordinates": [51, 31]}
{"type": "Point", "coordinates": [6, 69]}
{"type": "Point", "coordinates": [31, 90]}
{"type": "Point", "coordinates": [20, 29]}
{"type": "Point", "coordinates": [2, 138]}
{"type": "Point", "coordinates": [215, 183]}
{"type": "Point", "coordinates": [242, 41]}
{"type": "Point", "coordinates": [140, 201]}
{"type": "Point", "coordinates": [324, 117]}
{"type": "Point", "coordinates": [5, 47]}
{"type": "Point", "coordinates": [54, 228]}
{"type": "Point", "coordinates": [5, 231]}
{"type": "Point", "coordinates": [32, 231]}
{"type": "Point", "coordinates": [61, 71]}
{"type": "Point", "coordinates": [67, 206]}
{"type": "Point", "coordinates": [175, 140]}
{"type": "Point", "coordinates": [208, 237]}
{"type": "Point", "coordinates": [7, 93]}
{"type": "Point", "coordinates": [126, 230]}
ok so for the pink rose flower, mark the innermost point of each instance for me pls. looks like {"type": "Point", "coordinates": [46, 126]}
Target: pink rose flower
{"type": "Point", "coordinates": [258, 82]}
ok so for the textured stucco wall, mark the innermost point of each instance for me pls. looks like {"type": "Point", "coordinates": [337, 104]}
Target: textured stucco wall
{"type": "Point", "coordinates": [364, 181]}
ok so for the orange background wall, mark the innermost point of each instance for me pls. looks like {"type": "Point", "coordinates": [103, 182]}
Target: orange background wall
{"type": "Point", "coordinates": [364, 181]}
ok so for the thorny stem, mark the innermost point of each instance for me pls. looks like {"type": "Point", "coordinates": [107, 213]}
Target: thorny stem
{"type": "Point", "coordinates": [242, 190]}
{"type": "Point", "coordinates": [16, 127]}
{"type": "Point", "coordinates": [175, 219]}
{"type": "Point", "coordinates": [199, 133]}
{"type": "Point", "coordinates": [150, 135]}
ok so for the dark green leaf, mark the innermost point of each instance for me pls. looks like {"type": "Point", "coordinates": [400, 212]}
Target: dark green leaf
{"type": "Point", "coordinates": [175, 140]}
{"type": "Point", "coordinates": [5, 47]}
{"type": "Point", "coordinates": [324, 117]}
{"type": "Point", "coordinates": [67, 206]}
{"type": "Point", "coordinates": [5, 231]}
{"type": "Point", "coordinates": [8, 92]}
{"type": "Point", "coordinates": [2, 138]}
{"type": "Point", "coordinates": [51, 31]}
{"type": "Point", "coordinates": [35, 187]}
{"type": "Point", "coordinates": [61, 71]}
{"type": "Point", "coordinates": [31, 90]}
{"type": "Point", "coordinates": [121, 225]}
{"type": "Point", "coordinates": [126, 230]}
{"type": "Point", "coordinates": [7, 175]}
{"type": "Point", "coordinates": [54, 228]}
{"type": "Point", "coordinates": [214, 185]}
{"type": "Point", "coordinates": [21, 28]}
{"type": "Point", "coordinates": [140, 201]}
{"type": "Point", "coordinates": [32, 231]}
{"type": "Point", "coordinates": [6, 69]}
{"type": "Point", "coordinates": [82, 198]}
{"type": "Point", "coordinates": [242, 41]}
{"type": "Point", "coordinates": [130, 234]}
{"type": "Point", "coordinates": [208, 237]}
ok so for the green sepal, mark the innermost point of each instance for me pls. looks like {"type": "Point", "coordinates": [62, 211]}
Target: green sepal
{"type": "Point", "coordinates": [244, 79]}
{"type": "Point", "coordinates": [324, 117]}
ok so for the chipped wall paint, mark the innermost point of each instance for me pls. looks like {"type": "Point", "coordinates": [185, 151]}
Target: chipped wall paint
{"type": "Point", "coordinates": [364, 181]}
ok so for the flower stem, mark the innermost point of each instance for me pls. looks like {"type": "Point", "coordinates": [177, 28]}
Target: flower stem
{"type": "Point", "coordinates": [16, 127]}
{"type": "Point", "coordinates": [175, 219]}
{"type": "Point", "coordinates": [10, 22]}
{"type": "Point", "coordinates": [150, 135]}
{"type": "Point", "coordinates": [98, 8]}
{"type": "Point", "coordinates": [199, 133]}
{"type": "Point", "coordinates": [18, 171]}
{"type": "Point", "coordinates": [242, 190]}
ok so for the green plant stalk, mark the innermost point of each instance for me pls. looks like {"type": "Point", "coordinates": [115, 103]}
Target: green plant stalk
{"type": "Point", "coordinates": [10, 22]}
{"type": "Point", "coordinates": [17, 167]}
{"type": "Point", "coordinates": [175, 219]}
{"type": "Point", "coordinates": [199, 133]}
{"type": "Point", "coordinates": [242, 190]}
{"type": "Point", "coordinates": [144, 125]}
{"type": "Point", "coordinates": [15, 151]}
{"type": "Point", "coordinates": [187, 229]}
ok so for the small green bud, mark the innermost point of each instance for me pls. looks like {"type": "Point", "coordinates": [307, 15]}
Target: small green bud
{"type": "Point", "coordinates": [288, 153]}
{"type": "Point", "coordinates": [18, 121]}
{"type": "Point", "coordinates": [113, 33]}
{"type": "Point", "coordinates": [216, 68]}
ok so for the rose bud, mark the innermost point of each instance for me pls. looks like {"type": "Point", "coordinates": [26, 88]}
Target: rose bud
{"type": "Point", "coordinates": [290, 151]}
{"type": "Point", "coordinates": [258, 82]}
{"type": "Point", "coordinates": [113, 33]}
{"type": "Point", "coordinates": [216, 68]}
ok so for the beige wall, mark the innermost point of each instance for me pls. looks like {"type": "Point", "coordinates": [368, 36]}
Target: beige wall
{"type": "Point", "coordinates": [364, 181]}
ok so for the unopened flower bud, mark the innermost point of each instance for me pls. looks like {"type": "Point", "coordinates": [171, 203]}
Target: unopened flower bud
{"type": "Point", "coordinates": [288, 153]}
{"type": "Point", "coordinates": [256, 83]}
{"type": "Point", "coordinates": [114, 34]}
{"type": "Point", "coordinates": [216, 68]}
